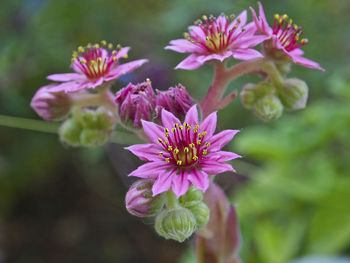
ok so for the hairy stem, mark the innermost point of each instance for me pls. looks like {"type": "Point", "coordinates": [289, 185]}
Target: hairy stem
{"type": "Point", "coordinates": [275, 76]}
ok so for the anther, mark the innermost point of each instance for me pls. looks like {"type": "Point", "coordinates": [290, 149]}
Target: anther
{"type": "Point", "coordinates": [114, 52]}
{"type": "Point", "coordinates": [103, 43]}
{"type": "Point", "coordinates": [179, 162]}
{"type": "Point", "coordinates": [176, 150]}
{"type": "Point", "coordinates": [170, 148]}
{"type": "Point", "coordinates": [167, 160]}
{"type": "Point", "coordinates": [110, 45]}
{"type": "Point", "coordinates": [207, 144]}
{"type": "Point", "coordinates": [160, 140]}
{"type": "Point", "coordinates": [186, 150]}
{"type": "Point", "coordinates": [199, 142]}
{"type": "Point", "coordinates": [204, 17]}
{"type": "Point", "coordinates": [191, 145]}
{"type": "Point", "coordinates": [205, 152]}
{"type": "Point", "coordinates": [81, 49]}
{"type": "Point", "coordinates": [195, 158]}
{"type": "Point", "coordinates": [160, 153]}
{"type": "Point", "coordinates": [166, 130]}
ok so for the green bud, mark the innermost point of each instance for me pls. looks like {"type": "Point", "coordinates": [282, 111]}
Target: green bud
{"type": "Point", "coordinates": [192, 197]}
{"type": "Point", "coordinates": [268, 108]}
{"type": "Point", "coordinates": [70, 131]}
{"type": "Point", "coordinates": [99, 119]}
{"type": "Point", "coordinates": [248, 96]}
{"type": "Point", "coordinates": [178, 224]}
{"type": "Point", "coordinates": [294, 94]}
{"type": "Point", "coordinates": [264, 88]}
{"type": "Point", "coordinates": [201, 212]}
{"type": "Point", "coordinates": [284, 67]}
{"type": "Point", "coordinates": [93, 137]}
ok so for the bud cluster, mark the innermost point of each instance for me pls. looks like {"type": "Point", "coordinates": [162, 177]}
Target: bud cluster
{"type": "Point", "coordinates": [268, 101]}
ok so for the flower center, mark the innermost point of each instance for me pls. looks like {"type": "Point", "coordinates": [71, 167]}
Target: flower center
{"type": "Point", "coordinates": [95, 61]}
{"type": "Point", "coordinates": [184, 145]}
{"type": "Point", "coordinates": [218, 35]}
{"type": "Point", "coordinates": [287, 33]}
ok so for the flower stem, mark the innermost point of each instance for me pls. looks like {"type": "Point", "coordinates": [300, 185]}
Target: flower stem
{"type": "Point", "coordinates": [172, 201]}
{"type": "Point", "coordinates": [28, 124]}
{"type": "Point", "coordinates": [222, 78]}
{"type": "Point", "coordinates": [275, 76]}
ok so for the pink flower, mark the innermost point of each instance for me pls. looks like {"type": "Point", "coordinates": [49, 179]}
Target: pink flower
{"type": "Point", "coordinates": [136, 102]}
{"type": "Point", "coordinates": [284, 36]}
{"type": "Point", "coordinates": [176, 100]}
{"type": "Point", "coordinates": [217, 39]}
{"type": "Point", "coordinates": [94, 66]}
{"type": "Point", "coordinates": [51, 105]}
{"type": "Point", "coordinates": [183, 154]}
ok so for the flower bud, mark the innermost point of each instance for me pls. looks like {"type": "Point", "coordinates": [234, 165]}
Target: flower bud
{"type": "Point", "coordinates": [70, 131]}
{"type": "Point", "coordinates": [248, 96]}
{"type": "Point", "coordinates": [178, 224]}
{"type": "Point", "coordinates": [49, 105]}
{"type": "Point", "coordinates": [176, 100]}
{"type": "Point", "coordinates": [139, 200]}
{"type": "Point", "coordinates": [268, 108]}
{"type": "Point", "coordinates": [264, 88]}
{"type": "Point", "coordinates": [93, 138]}
{"type": "Point", "coordinates": [192, 197]}
{"type": "Point", "coordinates": [294, 94]}
{"type": "Point", "coordinates": [201, 213]}
{"type": "Point", "coordinates": [136, 102]}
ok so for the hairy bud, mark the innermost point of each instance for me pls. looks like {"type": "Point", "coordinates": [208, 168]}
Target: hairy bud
{"type": "Point", "coordinates": [70, 131]}
{"type": "Point", "coordinates": [139, 200]}
{"type": "Point", "coordinates": [178, 224]}
{"type": "Point", "coordinates": [192, 197]}
{"type": "Point", "coordinates": [294, 94]}
{"type": "Point", "coordinates": [268, 108]}
{"type": "Point", "coordinates": [248, 96]}
{"type": "Point", "coordinates": [201, 213]}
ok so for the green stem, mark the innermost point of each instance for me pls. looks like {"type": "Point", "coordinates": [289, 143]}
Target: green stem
{"type": "Point", "coordinates": [273, 73]}
{"type": "Point", "coordinates": [28, 124]}
{"type": "Point", "coordinates": [172, 201]}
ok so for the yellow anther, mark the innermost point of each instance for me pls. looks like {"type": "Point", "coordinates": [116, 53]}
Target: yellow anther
{"type": "Point", "coordinates": [92, 62]}
{"type": "Point", "coordinates": [197, 126]}
{"type": "Point", "coordinates": [280, 20]}
{"type": "Point", "coordinates": [285, 17]}
{"type": "Point", "coordinates": [204, 17]}
{"type": "Point", "coordinates": [97, 46]}
{"type": "Point", "coordinates": [176, 125]}
{"type": "Point", "coordinates": [186, 124]}
{"type": "Point", "coordinates": [99, 60]}
{"type": "Point", "coordinates": [296, 38]}
{"type": "Point", "coordinates": [103, 43]}
{"type": "Point", "coordinates": [186, 35]}
{"type": "Point", "coordinates": [186, 150]}
{"type": "Point", "coordinates": [81, 49]}
{"type": "Point", "coordinates": [235, 27]}
{"type": "Point", "coordinates": [290, 21]}
{"type": "Point", "coordinates": [232, 16]}
{"type": "Point", "coordinates": [125, 56]}
{"type": "Point", "coordinates": [207, 144]}
{"type": "Point", "coordinates": [115, 58]}
{"type": "Point", "coordinates": [114, 52]}
{"type": "Point", "coordinates": [181, 127]}
{"type": "Point", "coordinates": [205, 152]}
{"type": "Point", "coordinates": [166, 130]}
{"type": "Point", "coordinates": [167, 160]}
{"type": "Point", "coordinates": [89, 45]}
{"type": "Point", "coordinates": [200, 135]}
{"type": "Point", "coordinates": [73, 60]}
{"type": "Point", "coordinates": [83, 61]}
{"type": "Point", "coordinates": [204, 133]}
{"type": "Point", "coordinates": [176, 150]}
{"type": "Point", "coordinates": [160, 153]}
{"type": "Point", "coordinates": [110, 45]}
{"type": "Point", "coordinates": [199, 142]}
{"type": "Point", "coordinates": [173, 129]}
{"type": "Point", "coordinates": [119, 46]}
{"type": "Point", "coordinates": [304, 41]}
{"type": "Point", "coordinates": [160, 140]}
{"type": "Point", "coordinates": [238, 20]}
{"type": "Point", "coordinates": [277, 17]}
{"type": "Point", "coordinates": [195, 158]}
{"type": "Point", "coordinates": [165, 142]}
{"type": "Point", "coordinates": [170, 148]}
{"type": "Point", "coordinates": [195, 130]}
{"type": "Point", "coordinates": [75, 54]}
{"type": "Point", "coordinates": [198, 41]}
{"type": "Point", "coordinates": [192, 145]}
{"type": "Point", "coordinates": [243, 29]}
{"type": "Point", "coordinates": [179, 162]}
{"type": "Point", "coordinates": [167, 135]}
{"type": "Point", "coordinates": [295, 26]}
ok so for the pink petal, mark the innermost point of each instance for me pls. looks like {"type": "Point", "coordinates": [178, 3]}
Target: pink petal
{"type": "Point", "coordinates": [151, 170]}
{"type": "Point", "coordinates": [192, 116]}
{"type": "Point", "coordinates": [121, 53]}
{"type": "Point", "coordinates": [67, 87]}
{"type": "Point", "coordinates": [180, 184]}
{"type": "Point", "coordinates": [306, 62]}
{"type": "Point", "coordinates": [199, 179]}
{"type": "Point", "coordinates": [223, 156]}
{"type": "Point", "coordinates": [209, 125]}
{"type": "Point", "coordinates": [221, 139]}
{"type": "Point", "coordinates": [146, 152]}
{"type": "Point", "coordinates": [221, 57]}
{"type": "Point", "coordinates": [125, 68]}
{"type": "Point", "coordinates": [251, 41]}
{"type": "Point", "coordinates": [196, 31]}
{"type": "Point", "coordinates": [153, 131]}
{"type": "Point", "coordinates": [189, 63]}
{"type": "Point", "coordinates": [168, 119]}
{"type": "Point", "coordinates": [183, 46]}
{"type": "Point", "coordinates": [93, 84]}
{"type": "Point", "coordinates": [296, 52]}
{"type": "Point", "coordinates": [65, 77]}
{"type": "Point", "coordinates": [163, 182]}
{"type": "Point", "coordinates": [243, 17]}
{"type": "Point", "coordinates": [246, 54]}
{"type": "Point", "coordinates": [214, 167]}
{"type": "Point", "coordinates": [264, 25]}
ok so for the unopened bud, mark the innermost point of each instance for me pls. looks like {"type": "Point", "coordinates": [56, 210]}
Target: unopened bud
{"type": "Point", "coordinates": [264, 88]}
{"type": "Point", "coordinates": [139, 200]}
{"type": "Point", "coordinates": [248, 96]}
{"type": "Point", "coordinates": [192, 197]}
{"type": "Point", "coordinates": [178, 224]}
{"type": "Point", "coordinates": [201, 213]}
{"type": "Point", "coordinates": [93, 137]}
{"type": "Point", "coordinates": [70, 131]}
{"type": "Point", "coordinates": [49, 105]}
{"type": "Point", "coordinates": [294, 94]}
{"type": "Point", "coordinates": [268, 108]}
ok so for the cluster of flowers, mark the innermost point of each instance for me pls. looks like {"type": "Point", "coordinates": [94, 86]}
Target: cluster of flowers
{"type": "Point", "coordinates": [182, 153]}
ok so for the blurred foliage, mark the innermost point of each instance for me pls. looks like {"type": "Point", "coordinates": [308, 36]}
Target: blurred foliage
{"type": "Point", "coordinates": [59, 204]}
{"type": "Point", "coordinates": [297, 199]}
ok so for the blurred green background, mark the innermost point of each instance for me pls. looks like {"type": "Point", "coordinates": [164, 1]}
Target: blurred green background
{"type": "Point", "coordinates": [59, 204]}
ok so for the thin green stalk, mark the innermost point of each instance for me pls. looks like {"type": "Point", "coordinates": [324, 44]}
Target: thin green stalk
{"type": "Point", "coordinates": [172, 201]}
{"type": "Point", "coordinates": [28, 124]}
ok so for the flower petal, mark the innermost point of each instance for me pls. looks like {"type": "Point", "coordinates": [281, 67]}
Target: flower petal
{"type": "Point", "coordinates": [121, 53]}
{"type": "Point", "coordinates": [221, 139]}
{"type": "Point", "coordinates": [180, 184]}
{"type": "Point", "coordinates": [65, 77]}
{"type": "Point", "coordinates": [214, 167]}
{"type": "Point", "coordinates": [199, 179]}
{"type": "Point", "coordinates": [163, 182]}
{"type": "Point", "coordinates": [306, 62]}
{"type": "Point", "coordinates": [251, 41]}
{"type": "Point", "coordinates": [192, 116]}
{"type": "Point", "coordinates": [221, 57]}
{"type": "Point", "coordinates": [246, 54]}
{"type": "Point", "coordinates": [242, 17]}
{"type": "Point", "coordinates": [125, 68]}
{"type": "Point", "coordinates": [146, 152]}
{"type": "Point", "coordinates": [183, 46]}
{"type": "Point", "coordinates": [209, 125]}
{"type": "Point", "coordinates": [168, 119]}
{"type": "Point", "coordinates": [189, 63]}
{"type": "Point", "coordinates": [223, 156]}
{"type": "Point", "coordinates": [151, 170]}
{"type": "Point", "coordinates": [153, 131]}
